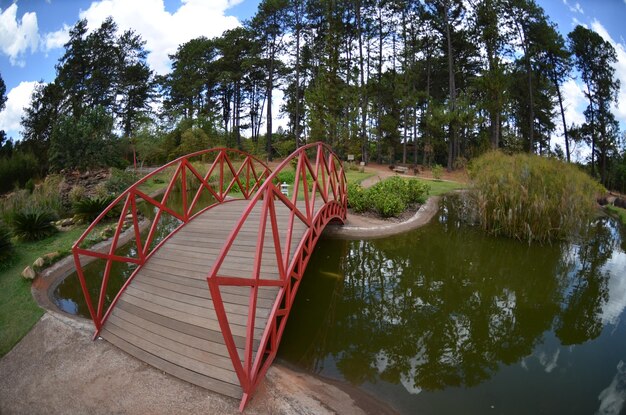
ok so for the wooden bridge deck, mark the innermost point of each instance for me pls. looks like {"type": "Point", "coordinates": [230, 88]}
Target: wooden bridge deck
{"type": "Point", "coordinates": [166, 316]}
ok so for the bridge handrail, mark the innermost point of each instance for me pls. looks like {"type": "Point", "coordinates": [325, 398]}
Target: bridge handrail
{"type": "Point", "coordinates": [253, 170]}
{"type": "Point", "coordinates": [329, 181]}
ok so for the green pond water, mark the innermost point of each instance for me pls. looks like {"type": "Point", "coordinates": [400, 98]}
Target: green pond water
{"type": "Point", "coordinates": [446, 320]}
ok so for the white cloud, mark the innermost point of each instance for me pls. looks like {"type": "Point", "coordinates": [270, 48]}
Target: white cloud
{"type": "Point", "coordinates": [576, 8]}
{"type": "Point", "coordinates": [164, 31]}
{"type": "Point", "coordinates": [619, 109]}
{"type": "Point", "coordinates": [16, 37]}
{"type": "Point", "coordinates": [17, 99]}
{"type": "Point", "coordinates": [574, 102]}
{"type": "Point", "coordinates": [56, 39]}
{"type": "Point", "coordinates": [576, 22]}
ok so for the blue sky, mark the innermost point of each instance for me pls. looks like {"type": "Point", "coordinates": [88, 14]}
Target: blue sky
{"type": "Point", "coordinates": [32, 34]}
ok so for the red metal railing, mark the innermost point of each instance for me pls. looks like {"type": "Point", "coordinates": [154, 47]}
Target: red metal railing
{"type": "Point", "coordinates": [318, 196]}
{"type": "Point", "coordinates": [230, 174]}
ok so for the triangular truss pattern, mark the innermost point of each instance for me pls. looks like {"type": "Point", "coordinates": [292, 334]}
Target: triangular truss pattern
{"type": "Point", "coordinates": [279, 231]}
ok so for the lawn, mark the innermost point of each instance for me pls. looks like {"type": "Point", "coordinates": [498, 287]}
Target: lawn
{"type": "Point", "coordinates": [355, 176]}
{"type": "Point", "coordinates": [439, 187]}
{"type": "Point", "coordinates": [18, 310]}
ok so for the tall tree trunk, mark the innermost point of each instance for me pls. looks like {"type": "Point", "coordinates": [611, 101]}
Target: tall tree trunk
{"type": "Point", "coordinates": [270, 88]}
{"type": "Point", "coordinates": [296, 128]}
{"type": "Point", "coordinates": [531, 103]}
{"type": "Point", "coordinates": [362, 94]}
{"type": "Point", "coordinates": [453, 143]}
{"type": "Point", "coordinates": [567, 151]}
{"type": "Point", "coordinates": [427, 105]}
{"type": "Point", "coordinates": [380, 77]}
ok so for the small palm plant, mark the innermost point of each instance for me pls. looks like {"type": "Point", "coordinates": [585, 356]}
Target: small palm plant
{"type": "Point", "coordinates": [89, 208]}
{"type": "Point", "coordinates": [33, 224]}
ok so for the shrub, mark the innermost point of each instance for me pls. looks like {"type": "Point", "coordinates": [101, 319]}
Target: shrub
{"type": "Point", "coordinates": [529, 197]}
{"type": "Point", "coordinates": [33, 224]}
{"type": "Point", "coordinates": [77, 193]}
{"type": "Point", "coordinates": [17, 170]}
{"type": "Point", "coordinates": [286, 176]}
{"type": "Point", "coordinates": [89, 208]}
{"type": "Point", "coordinates": [437, 171]}
{"type": "Point", "coordinates": [6, 246]}
{"type": "Point", "coordinates": [45, 197]}
{"type": "Point", "coordinates": [389, 197]}
{"type": "Point", "coordinates": [119, 181]}
{"type": "Point", "coordinates": [30, 185]}
{"type": "Point", "coordinates": [388, 205]}
{"type": "Point", "coordinates": [416, 191]}
{"type": "Point", "coordinates": [357, 198]}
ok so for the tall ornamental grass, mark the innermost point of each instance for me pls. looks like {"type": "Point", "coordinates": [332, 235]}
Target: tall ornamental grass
{"type": "Point", "coordinates": [531, 198]}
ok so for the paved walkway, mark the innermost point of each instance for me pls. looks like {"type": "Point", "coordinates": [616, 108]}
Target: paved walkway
{"type": "Point", "coordinates": [58, 369]}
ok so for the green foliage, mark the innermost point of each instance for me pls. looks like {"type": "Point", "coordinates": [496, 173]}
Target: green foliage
{"type": "Point", "coordinates": [437, 171]}
{"type": "Point", "coordinates": [286, 176]}
{"type": "Point", "coordinates": [85, 142]}
{"type": "Point", "coordinates": [33, 224]}
{"type": "Point", "coordinates": [46, 196]}
{"type": "Point", "coordinates": [531, 198]}
{"type": "Point", "coordinates": [17, 170]}
{"type": "Point", "coordinates": [357, 198]}
{"type": "Point", "coordinates": [119, 181]}
{"type": "Point", "coordinates": [388, 197]}
{"type": "Point", "coordinates": [6, 246]}
{"type": "Point", "coordinates": [89, 208]}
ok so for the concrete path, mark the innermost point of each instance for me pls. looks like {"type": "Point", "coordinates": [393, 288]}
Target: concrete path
{"type": "Point", "coordinates": [58, 369]}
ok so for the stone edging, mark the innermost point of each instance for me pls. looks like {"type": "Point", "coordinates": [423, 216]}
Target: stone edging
{"type": "Point", "coordinates": [423, 215]}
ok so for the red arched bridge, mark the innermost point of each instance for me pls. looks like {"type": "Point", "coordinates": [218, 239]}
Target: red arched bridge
{"type": "Point", "coordinates": [208, 301]}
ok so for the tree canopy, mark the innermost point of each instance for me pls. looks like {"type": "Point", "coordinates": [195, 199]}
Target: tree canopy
{"type": "Point", "coordinates": [410, 81]}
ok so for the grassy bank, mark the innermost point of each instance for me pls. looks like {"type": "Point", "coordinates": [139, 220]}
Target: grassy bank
{"type": "Point", "coordinates": [18, 310]}
{"type": "Point", "coordinates": [439, 187]}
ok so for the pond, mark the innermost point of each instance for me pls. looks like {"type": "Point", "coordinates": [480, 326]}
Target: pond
{"type": "Point", "coordinates": [444, 319]}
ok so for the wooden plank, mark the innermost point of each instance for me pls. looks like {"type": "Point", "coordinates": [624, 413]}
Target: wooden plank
{"type": "Point", "coordinates": [200, 287]}
{"type": "Point", "coordinates": [181, 326]}
{"type": "Point", "coordinates": [185, 298]}
{"type": "Point", "coordinates": [239, 313]}
{"type": "Point", "coordinates": [179, 347]}
{"type": "Point", "coordinates": [228, 389]}
{"type": "Point", "coordinates": [237, 325]}
{"type": "Point", "coordinates": [218, 348]}
{"type": "Point", "coordinates": [162, 267]}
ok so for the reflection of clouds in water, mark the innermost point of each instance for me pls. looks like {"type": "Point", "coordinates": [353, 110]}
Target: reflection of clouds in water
{"type": "Point", "coordinates": [612, 310]}
{"type": "Point", "coordinates": [612, 398]}
{"type": "Point", "coordinates": [408, 380]}
{"type": "Point", "coordinates": [549, 362]}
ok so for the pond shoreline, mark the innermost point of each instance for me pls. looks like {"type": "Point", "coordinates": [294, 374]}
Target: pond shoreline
{"type": "Point", "coordinates": [365, 227]}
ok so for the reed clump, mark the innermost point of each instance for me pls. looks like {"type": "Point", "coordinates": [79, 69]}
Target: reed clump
{"type": "Point", "coordinates": [531, 198]}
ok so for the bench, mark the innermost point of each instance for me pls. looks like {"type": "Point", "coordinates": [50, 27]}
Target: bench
{"type": "Point", "coordinates": [401, 169]}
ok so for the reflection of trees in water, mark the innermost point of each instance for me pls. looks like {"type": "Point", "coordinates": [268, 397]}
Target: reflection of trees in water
{"type": "Point", "coordinates": [439, 308]}
{"type": "Point", "coordinates": [580, 319]}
